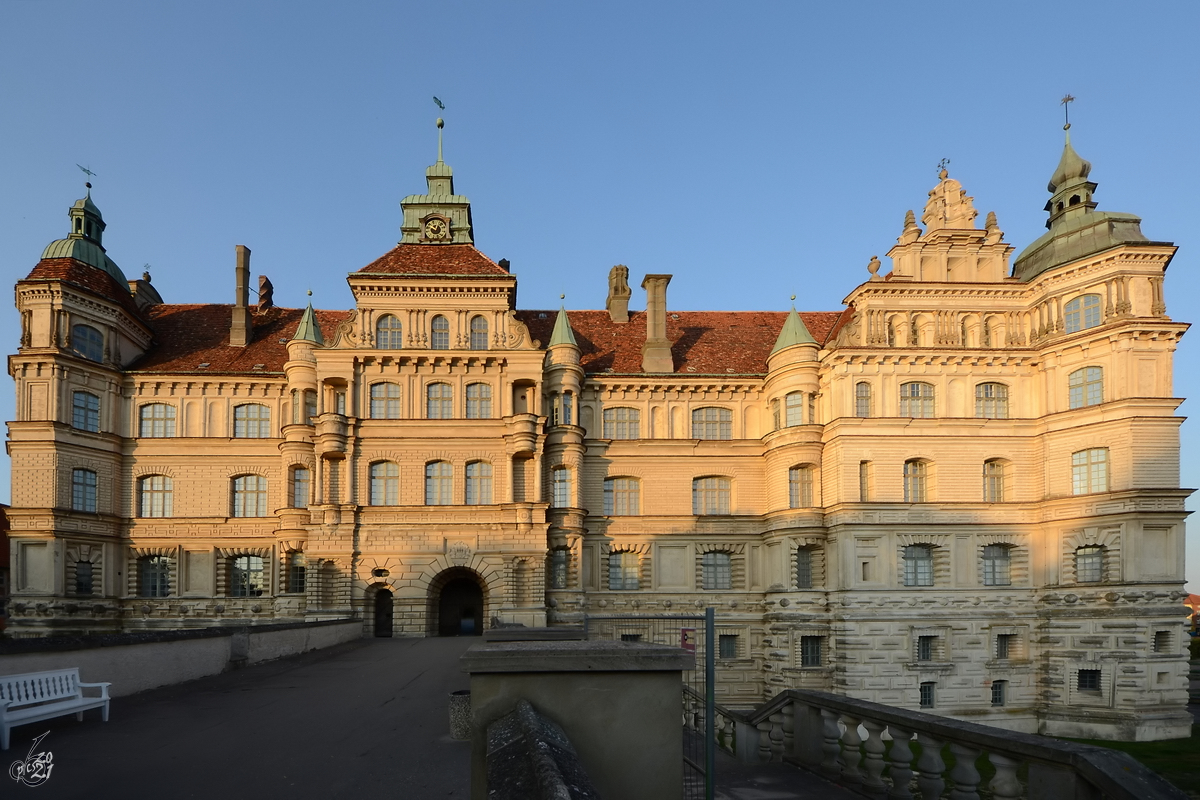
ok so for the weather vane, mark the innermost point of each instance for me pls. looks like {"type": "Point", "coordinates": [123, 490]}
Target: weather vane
{"type": "Point", "coordinates": [86, 171]}
{"type": "Point", "coordinates": [1067, 111]}
{"type": "Point", "coordinates": [440, 123]}
{"type": "Point", "coordinates": [440, 104]}
{"type": "Point", "coordinates": [945, 162]}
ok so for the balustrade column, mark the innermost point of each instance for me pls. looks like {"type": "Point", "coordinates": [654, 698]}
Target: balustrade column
{"type": "Point", "coordinates": [830, 746]}
{"type": "Point", "coordinates": [851, 755]}
{"type": "Point", "coordinates": [900, 764]}
{"type": "Point", "coordinates": [930, 767]}
{"type": "Point", "coordinates": [1004, 784]}
{"type": "Point", "coordinates": [873, 766]}
{"type": "Point", "coordinates": [964, 774]}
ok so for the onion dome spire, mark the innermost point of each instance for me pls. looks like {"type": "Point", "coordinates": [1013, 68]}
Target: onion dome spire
{"type": "Point", "coordinates": [84, 241]}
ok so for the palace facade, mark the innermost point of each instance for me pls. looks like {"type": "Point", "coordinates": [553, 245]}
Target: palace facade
{"type": "Point", "coordinates": [960, 492]}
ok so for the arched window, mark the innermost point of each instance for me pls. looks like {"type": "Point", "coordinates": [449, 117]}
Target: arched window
{"type": "Point", "coordinates": [250, 496]}
{"type": "Point", "coordinates": [1089, 471]}
{"type": "Point", "coordinates": [622, 423]}
{"type": "Point", "coordinates": [388, 333]}
{"type": "Point", "coordinates": [479, 400]}
{"type": "Point", "coordinates": [623, 572]}
{"type": "Point", "coordinates": [993, 481]}
{"type": "Point", "coordinates": [710, 495]}
{"type": "Point", "coordinates": [561, 487]}
{"type": "Point", "coordinates": [297, 573]}
{"type": "Point", "coordinates": [385, 483]}
{"type": "Point", "coordinates": [85, 412]}
{"type": "Point", "coordinates": [439, 338]}
{"type": "Point", "coordinates": [712, 423]}
{"type": "Point", "coordinates": [301, 487]}
{"type": "Point", "coordinates": [83, 490]}
{"type": "Point", "coordinates": [156, 421]}
{"type": "Point", "coordinates": [559, 567]}
{"type": "Point", "coordinates": [916, 400]}
{"type": "Point", "coordinates": [1086, 387]}
{"type": "Point", "coordinates": [804, 568]}
{"type": "Point", "coordinates": [385, 401]}
{"type": "Point", "coordinates": [716, 571]}
{"type": "Point", "coordinates": [918, 565]}
{"type": "Point", "coordinates": [154, 576]}
{"type": "Point", "coordinates": [1089, 564]}
{"type": "Point", "coordinates": [793, 409]}
{"type": "Point", "coordinates": [997, 565]}
{"type": "Point", "coordinates": [479, 333]}
{"type": "Point", "coordinates": [991, 401]}
{"type": "Point", "coordinates": [246, 576]}
{"type": "Point", "coordinates": [1083, 312]}
{"type": "Point", "coordinates": [479, 483]}
{"type": "Point", "coordinates": [622, 497]}
{"type": "Point", "coordinates": [251, 421]}
{"type": "Point", "coordinates": [800, 486]}
{"type": "Point", "coordinates": [862, 399]}
{"type": "Point", "coordinates": [87, 342]}
{"type": "Point", "coordinates": [916, 474]}
{"type": "Point", "coordinates": [155, 496]}
{"type": "Point", "coordinates": [439, 483]}
{"type": "Point", "coordinates": [439, 401]}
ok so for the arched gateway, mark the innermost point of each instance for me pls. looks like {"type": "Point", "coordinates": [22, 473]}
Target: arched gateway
{"type": "Point", "coordinates": [383, 612]}
{"type": "Point", "coordinates": [456, 603]}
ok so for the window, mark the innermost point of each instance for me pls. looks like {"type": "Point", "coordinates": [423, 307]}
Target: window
{"type": "Point", "coordinates": [927, 694]}
{"type": "Point", "coordinates": [479, 333]}
{"type": "Point", "coordinates": [85, 412]}
{"type": "Point", "coordinates": [568, 407]}
{"type": "Point", "coordinates": [83, 578]}
{"type": "Point", "coordinates": [388, 333]}
{"type": "Point", "coordinates": [385, 483]}
{"type": "Point", "coordinates": [246, 577]}
{"type": "Point", "coordinates": [559, 562]}
{"type": "Point", "coordinates": [622, 423]}
{"type": "Point", "coordinates": [918, 565]}
{"type": "Point", "coordinates": [793, 408]}
{"type": "Point", "coordinates": [804, 576]}
{"type": "Point", "coordinates": [83, 490]}
{"type": "Point", "coordinates": [712, 423]}
{"type": "Point", "coordinates": [622, 571]}
{"type": "Point", "coordinates": [926, 646]}
{"type": "Point", "coordinates": [622, 497]}
{"type": "Point", "coordinates": [310, 407]}
{"type": "Point", "coordinates": [810, 650]}
{"type": "Point", "coordinates": [439, 333]}
{"type": "Point", "coordinates": [1162, 642]}
{"type": "Point", "coordinates": [155, 496]}
{"type": "Point", "coordinates": [862, 399]}
{"type": "Point", "coordinates": [716, 571]}
{"type": "Point", "coordinates": [1089, 471]}
{"type": "Point", "coordinates": [250, 496]}
{"type": "Point", "coordinates": [1089, 680]}
{"type": "Point", "coordinates": [727, 645]}
{"type": "Point", "coordinates": [991, 401]}
{"type": "Point", "coordinates": [915, 474]}
{"type": "Point", "coordinates": [993, 481]}
{"type": "Point", "coordinates": [1083, 312]}
{"type": "Point", "coordinates": [156, 421]}
{"type": "Point", "coordinates": [631, 637]}
{"type": "Point", "coordinates": [439, 481]}
{"type": "Point", "coordinates": [916, 400]}
{"type": "Point", "coordinates": [301, 482]}
{"type": "Point", "coordinates": [997, 565]}
{"type": "Point", "coordinates": [864, 481]}
{"type": "Point", "coordinates": [999, 689]}
{"type": "Point", "coordinates": [154, 576]}
{"type": "Point", "coordinates": [251, 421]}
{"type": "Point", "coordinates": [479, 483]}
{"type": "Point", "coordinates": [710, 495]}
{"type": "Point", "coordinates": [88, 342]}
{"type": "Point", "coordinates": [800, 487]}
{"type": "Point", "coordinates": [1089, 564]}
{"type": "Point", "coordinates": [385, 401]}
{"type": "Point", "coordinates": [561, 484]}
{"type": "Point", "coordinates": [1085, 387]}
{"type": "Point", "coordinates": [479, 400]}
{"type": "Point", "coordinates": [297, 572]}
{"type": "Point", "coordinates": [439, 401]}
{"type": "Point", "coordinates": [1005, 645]}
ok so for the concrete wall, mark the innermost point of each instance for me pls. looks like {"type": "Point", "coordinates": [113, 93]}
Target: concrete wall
{"type": "Point", "coordinates": [137, 667]}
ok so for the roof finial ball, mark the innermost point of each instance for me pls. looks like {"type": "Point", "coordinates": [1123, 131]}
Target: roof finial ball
{"type": "Point", "coordinates": [441, 123]}
{"type": "Point", "coordinates": [310, 292]}
{"type": "Point", "coordinates": [793, 298]}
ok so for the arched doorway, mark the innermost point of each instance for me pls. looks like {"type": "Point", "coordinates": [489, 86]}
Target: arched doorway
{"type": "Point", "coordinates": [456, 603]}
{"type": "Point", "coordinates": [383, 612]}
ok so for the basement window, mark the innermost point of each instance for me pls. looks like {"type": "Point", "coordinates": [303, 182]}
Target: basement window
{"type": "Point", "coordinates": [1089, 680]}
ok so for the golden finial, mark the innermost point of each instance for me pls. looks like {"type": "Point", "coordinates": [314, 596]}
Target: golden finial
{"type": "Point", "coordinates": [562, 297]}
{"type": "Point", "coordinates": [310, 292]}
{"type": "Point", "coordinates": [793, 298]}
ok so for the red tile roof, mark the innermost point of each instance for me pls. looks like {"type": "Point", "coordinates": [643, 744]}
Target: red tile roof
{"type": "Point", "coordinates": [702, 342]}
{"type": "Point", "coordinates": [434, 259]}
{"type": "Point", "coordinates": [86, 277]}
{"type": "Point", "coordinates": [187, 336]}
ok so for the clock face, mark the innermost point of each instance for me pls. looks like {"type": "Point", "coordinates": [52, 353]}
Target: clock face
{"type": "Point", "coordinates": [436, 229]}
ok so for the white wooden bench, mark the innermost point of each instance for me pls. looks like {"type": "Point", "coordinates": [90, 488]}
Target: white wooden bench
{"type": "Point", "coordinates": [37, 696]}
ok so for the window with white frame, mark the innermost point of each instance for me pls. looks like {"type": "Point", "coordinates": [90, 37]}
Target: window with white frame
{"type": "Point", "coordinates": [87, 342]}
{"type": "Point", "coordinates": [439, 483]}
{"type": "Point", "coordinates": [439, 401]}
{"type": "Point", "coordinates": [561, 487]}
{"type": "Point", "coordinates": [862, 399]}
{"type": "Point", "coordinates": [716, 571]}
{"type": "Point", "coordinates": [251, 421]}
{"type": "Point", "coordinates": [479, 333]}
{"type": "Point", "coordinates": [1089, 471]}
{"type": "Point", "coordinates": [1081, 313]}
{"type": "Point", "coordinates": [85, 412]}
{"type": "Point", "coordinates": [623, 571]}
{"type": "Point", "coordinates": [385, 401]}
{"type": "Point", "coordinates": [301, 483]}
{"type": "Point", "coordinates": [1089, 564]}
{"type": "Point", "coordinates": [385, 483]}
{"type": "Point", "coordinates": [793, 409]}
{"type": "Point", "coordinates": [918, 565]}
{"type": "Point", "coordinates": [154, 576]}
{"type": "Point", "coordinates": [1085, 387]}
{"type": "Point", "coordinates": [916, 400]}
{"type": "Point", "coordinates": [155, 496]}
{"type": "Point", "coordinates": [388, 332]}
{"type": "Point", "coordinates": [246, 576]}
{"type": "Point", "coordinates": [439, 333]}
{"type": "Point", "coordinates": [83, 490]}
{"type": "Point", "coordinates": [710, 495]}
{"type": "Point", "coordinates": [997, 565]}
{"type": "Point", "coordinates": [250, 496]}
{"type": "Point", "coordinates": [916, 480]}
{"type": "Point", "coordinates": [479, 483]}
{"type": "Point", "coordinates": [156, 421]}
{"type": "Point", "coordinates": [800, 486]}
{"type": "Point", "coordinates": [993, 481]}
{"type": "Point", "coordinates": [479, 400]}
{"type": "Point", "coordinates": [991, 401]}
{"type": "Point", "coordinates": [622, 423]}
{"type": "Point", "coordinates": [622, 497]}
{"type": "Point", "coordinates": [712, 423]}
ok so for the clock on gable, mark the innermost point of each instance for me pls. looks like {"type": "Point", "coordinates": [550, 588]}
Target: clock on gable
{"type": "Point", "coordinates": [436, 229]}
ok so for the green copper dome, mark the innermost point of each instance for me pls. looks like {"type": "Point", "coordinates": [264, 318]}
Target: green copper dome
{"type": "Point", "coordinates": [83, 243]}
{"type": "Point", "coordinates": [562, 330]}
{"type": "Point", "coordinates": [794, 332]}
{"type": "Point", "coordinates": [308, 330]}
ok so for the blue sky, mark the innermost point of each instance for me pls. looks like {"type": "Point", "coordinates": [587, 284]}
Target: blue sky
{"type": "Point", "coordinates": [754, 150]}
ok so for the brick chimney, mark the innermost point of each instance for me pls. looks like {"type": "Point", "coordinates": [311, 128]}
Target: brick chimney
{"type": "Point", "coordinates": [240, 329]}
{"type": "Point", "coordinates": [656, 352]}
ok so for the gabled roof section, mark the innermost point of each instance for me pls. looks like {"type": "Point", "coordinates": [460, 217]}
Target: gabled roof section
{"type": "Point", "coordinates": [86, 277]}
{"type": "Point", "coordinates": [420, 260]}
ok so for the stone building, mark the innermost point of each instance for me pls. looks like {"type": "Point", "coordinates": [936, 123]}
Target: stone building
{"type": "Point", "coordinates": [960, 492]}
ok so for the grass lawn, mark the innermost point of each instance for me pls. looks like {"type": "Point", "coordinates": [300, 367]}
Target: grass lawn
{"type": "Point", "coordinates": [1177, 760]}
